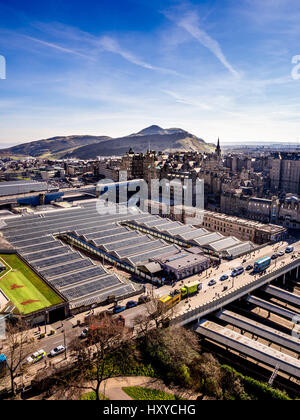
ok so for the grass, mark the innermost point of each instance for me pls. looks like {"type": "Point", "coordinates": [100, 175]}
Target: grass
{"type": "Point", "coordinates": [147, 394]}
{"type": "Point", "coordinates": [32, 287]}
{"type": "Point", "coordinates": [91, 396]}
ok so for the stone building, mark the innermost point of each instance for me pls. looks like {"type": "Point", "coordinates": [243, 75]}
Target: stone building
{"type": "Point", "coordinates": [285, 172]}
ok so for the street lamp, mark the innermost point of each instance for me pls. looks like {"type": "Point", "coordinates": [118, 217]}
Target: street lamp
{"type": "Point", "coordinates": [46, 313]}
{"type": "Point", "coordinates": [65, 344]}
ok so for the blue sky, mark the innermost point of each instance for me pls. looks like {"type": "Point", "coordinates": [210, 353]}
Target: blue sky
{"type": "Point", "coordinates": [112, 67]}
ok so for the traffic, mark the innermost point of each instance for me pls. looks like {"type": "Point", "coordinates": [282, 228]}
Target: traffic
{"type": "Point", "coordinates": [259, 267]}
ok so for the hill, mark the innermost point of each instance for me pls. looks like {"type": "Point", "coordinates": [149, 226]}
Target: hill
{"type": "Point", "coordinates": [53, 147]}
{"type": "Point", "coordinates": [157, 138]}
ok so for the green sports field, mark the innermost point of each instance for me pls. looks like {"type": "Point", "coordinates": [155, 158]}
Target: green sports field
{"type": "Point", "coordinates": [24, 288]}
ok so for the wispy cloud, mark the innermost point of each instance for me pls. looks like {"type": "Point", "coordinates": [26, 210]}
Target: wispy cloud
{"type": "Point", "coordinates": [111, 45]}
{"type": "Point", "coordinates": [191, 23]}
{"type": "Point", "coordinates": [188, 100]}
{"type": "Point", "coordinates": [93, 45]}
{"type": "Point", "coordinates": [56, 47]}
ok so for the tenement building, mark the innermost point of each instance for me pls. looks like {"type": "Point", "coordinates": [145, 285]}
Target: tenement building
{"type": "Point", "coordinates": [285, 172]}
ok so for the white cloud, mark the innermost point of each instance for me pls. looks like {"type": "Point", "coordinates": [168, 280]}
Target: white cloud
{"type": "Point", "coordinates": [92, 45]}
{"type": "Point", "coordinates": [57, 47]}
{"type": "Point", "coordinates": [188, 100]}
{"type": "Point", "coordinates": [190, 22]}
{"type": "Point", "coordinates": [111, 45]}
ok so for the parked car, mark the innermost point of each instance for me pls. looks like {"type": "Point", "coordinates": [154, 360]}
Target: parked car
{"type": "Point", "coordinates": [84, 333]}
{"type": "Point", "coordinates": [118, 308]}
{"type": "Point", "coordinates": [280, 253]}
{"type": "Point", "coordinates": [224, 277]}
{"type": "Point", "coordinates": [144, 299]}
{"type": "Point", "coordinates": [58, 350]}
{"type": "Point", "coordinates": [274, 256]}
{"type": "Point", "coordinates": [131, 304]}
{"type": "Point", "coordinates": [289, 249]}
{"type": "Point", "coordinates": [212, 283]}
{"type": "Point", "coordinates": [249, 267]}
{"type": "Point", "coordinates": [36, 357]}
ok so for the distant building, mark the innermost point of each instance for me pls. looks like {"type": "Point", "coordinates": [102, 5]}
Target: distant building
{"type": "Point", "coordinates": [21, 187]}
{"type": "Point", "coordinates": [285, 172]}
{"type": "Point", "coordinates": [218, 149]}
{"type": "Point", "coordinates": [245, 230]}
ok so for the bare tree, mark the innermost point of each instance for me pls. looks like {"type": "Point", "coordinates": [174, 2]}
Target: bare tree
{"type": "Point", "coordinates": [17, 347]}
{"type": "Point", "coordinates": [157, 315]}
{"type": "Point", "coordinates": [95, 361]}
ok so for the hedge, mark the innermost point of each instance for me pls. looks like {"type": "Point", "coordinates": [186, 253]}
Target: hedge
{"type": "Point", "coordinates": [257, 389]}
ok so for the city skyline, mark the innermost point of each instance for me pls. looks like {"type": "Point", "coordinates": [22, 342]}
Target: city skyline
{"type": "Point", "coordinates": [212, 68]}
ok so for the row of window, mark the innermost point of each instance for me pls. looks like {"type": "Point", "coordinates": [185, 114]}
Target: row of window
{"type": "Point", "coordinates": [217, 226]}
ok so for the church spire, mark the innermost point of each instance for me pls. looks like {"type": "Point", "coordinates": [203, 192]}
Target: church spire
{"type": "Point", "coordinates": [218, 149]}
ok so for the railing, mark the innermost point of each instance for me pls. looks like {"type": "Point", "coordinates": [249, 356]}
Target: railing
{"type": "Point", "coordinates": [229, 297]}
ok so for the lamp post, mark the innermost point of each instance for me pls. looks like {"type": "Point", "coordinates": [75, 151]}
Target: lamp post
{"type": "Point", "coordinates": [46, 313]}
{"type": "Point", "coordinates": [65, 344]}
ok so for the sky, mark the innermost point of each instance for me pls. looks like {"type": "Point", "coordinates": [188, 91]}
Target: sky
{"type": "Point", "coordinates": [216, 68]}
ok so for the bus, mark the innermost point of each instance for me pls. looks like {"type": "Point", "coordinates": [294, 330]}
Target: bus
{"type": "Point", "coordinates": [262, 264]}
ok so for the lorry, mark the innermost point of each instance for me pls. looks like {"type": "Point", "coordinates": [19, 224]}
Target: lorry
{"type": "Point", "coordinates": [190, 289]}
{"type": "Point", "coordinates": [177, 296]}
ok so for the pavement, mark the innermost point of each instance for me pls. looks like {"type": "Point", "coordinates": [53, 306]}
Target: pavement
{"type": "Point", "coordinates": [112, 388]}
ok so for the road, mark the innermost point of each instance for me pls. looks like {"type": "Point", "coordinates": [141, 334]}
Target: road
{"type": "Point", "coordinates": [208, 293]}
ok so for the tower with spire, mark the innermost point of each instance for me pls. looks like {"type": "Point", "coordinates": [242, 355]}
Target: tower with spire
{"type": "Point", "coordinates": [218, 149]}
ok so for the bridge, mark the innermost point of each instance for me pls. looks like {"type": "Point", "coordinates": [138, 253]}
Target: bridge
{"type": "Point", "coordinates": [236, 293]}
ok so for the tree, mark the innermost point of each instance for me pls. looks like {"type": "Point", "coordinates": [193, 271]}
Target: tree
{"type": "Point", "coordinates": [94, 357]}
{"type": "Point", "coordinates": [17, 347]}
{"type": "Point", "coordinates": [157, 315]}
{"type": "Point", "coordinates": [213, 381]}
{"type": "Point", "coordinates": [172, 350]}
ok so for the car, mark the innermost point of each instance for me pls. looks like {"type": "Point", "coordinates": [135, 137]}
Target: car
{"type": "Point", "coordinates": [237, 271]}
{"type": "Point", "coordinates": [58, 350]}
{"type": "Point", "coordinates": [289, 249]}
{"type": "Point", "coordinates": [144, 299]}
{"type": "Point", "coordinates": [131, 304]}
{"type": "Point", "coordinates": [118, 308]}
{"type": "Point", "coordinates": [36, 357]}
{"type": "Point", "coordinates": [84, 333]}
{"type": "Point", "coordinates": [212, 283]}
{"type": "Point", "coordinates": [249, 267]}
{"type": "Point", "coordinates": [274, 256]}
{"type": "Point", "coordinates": [224, 277]}
{"type": "Point", "coordinates": [280, 253]}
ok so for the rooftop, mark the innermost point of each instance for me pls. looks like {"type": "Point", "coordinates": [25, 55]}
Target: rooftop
{"type": "Point", "coordinates": [248, 223]}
